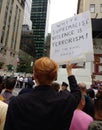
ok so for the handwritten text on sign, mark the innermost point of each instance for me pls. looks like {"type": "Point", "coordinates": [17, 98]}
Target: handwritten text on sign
{"type": "Point", "coordinates": [71, 39]}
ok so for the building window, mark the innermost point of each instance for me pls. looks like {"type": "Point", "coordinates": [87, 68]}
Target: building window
{"type": "Point", "coordinates": [92, 8]}
{"type": "Point", "coordinates": [101, 8]}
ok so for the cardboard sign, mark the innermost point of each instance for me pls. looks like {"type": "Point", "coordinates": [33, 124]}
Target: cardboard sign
{"type": "Point", "coordinates": [71, 39]}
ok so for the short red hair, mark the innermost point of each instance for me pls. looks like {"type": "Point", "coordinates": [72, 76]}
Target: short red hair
{"type": "Point", "coordinates": [45, 70]}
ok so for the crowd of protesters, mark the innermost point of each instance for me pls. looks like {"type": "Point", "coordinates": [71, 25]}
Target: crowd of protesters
{"type": "Point", "coordinates": [44, 104]}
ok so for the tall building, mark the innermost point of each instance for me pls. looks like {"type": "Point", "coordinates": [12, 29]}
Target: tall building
{"type": "Point", "coordinates": [39, 17]}
{"type": "Point", "coordinates": [27, 43]}
{"type": "Point", "coordinates": [11, 19]}
{"type": "Point", "coordinates": [95, 8]}
{"type": "Point", "coordinates": [26, 53]}
{"type": "Point", "coordinates": [27, 13]}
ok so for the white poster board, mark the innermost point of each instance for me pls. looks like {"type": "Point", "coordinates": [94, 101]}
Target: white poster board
{"type": "Point", "coordinates": [71, 39]}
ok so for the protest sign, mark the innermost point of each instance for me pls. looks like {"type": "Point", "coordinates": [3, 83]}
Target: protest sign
{"type": "Point", "coordinates": [71, 39]}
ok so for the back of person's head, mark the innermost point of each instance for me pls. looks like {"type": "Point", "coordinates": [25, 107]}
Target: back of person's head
{"type": "Point", "coordinates": [56, 86]}
{"type": "Point", "coordinates": [91, 93]}
{"type": "Point", "coordinates": [82, 87]}
{"type": "Point", "coordinates": [45, 71]}
{"type": "Point", "coordinates": [98, 108]}
{"type": "Point", "coordinates": [10, 83]}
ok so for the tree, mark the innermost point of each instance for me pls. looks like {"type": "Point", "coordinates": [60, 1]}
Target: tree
{"type": "Point", "coordinates": [10, 67]}
{"type": "Point", "coordinates": [22, 67]}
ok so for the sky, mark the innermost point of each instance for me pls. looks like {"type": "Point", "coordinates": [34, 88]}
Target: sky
{"type": "Point", "coordinates": [61, 9]}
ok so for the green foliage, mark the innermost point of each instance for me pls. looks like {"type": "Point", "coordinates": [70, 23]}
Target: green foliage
{"type": "Point", "coordinates": [24, 68]}
{"type": "Point", "coordinates": [10, 67]}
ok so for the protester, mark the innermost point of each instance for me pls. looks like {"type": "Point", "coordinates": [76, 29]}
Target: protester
{"type": "Point", "coordinates": [3, 111]}
{"type": "Point", "coordinates": [97, 123]}
{"type": "Point", "coordinates": [25, 81]}
{"type": "Point", "coordinates": [21, 81]}
{"type": "Point", "coordinates": [4, 76]}
{"type": "Point", "coordinates": [80, 120]}
{"type": "Point", "coordinates": [9, 87]}
{"type": "Point", "coordinates": [29, 86]}
{"type": "Point", "coordinates": [90, 92]}
{"type": "Point", "coordinates": [99, 92]}
{"type": "Point", "coordinates": [44, 108]}
{"type": "Point", "coordinates": [18, 82]}
{"type": "Point", "coordinates": [64, 86]}
{"type": "Point", "coordinates": [89, 107]}
{"type": "Point", "coordinates": [83, 88]}
{"type": "Point", "coordinates": [94, 85]}
{"type": "Point", "coordinates": [56, 86]}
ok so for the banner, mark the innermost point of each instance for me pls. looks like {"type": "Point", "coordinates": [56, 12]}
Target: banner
{"type": "Point", "coordinates": [71, 39]}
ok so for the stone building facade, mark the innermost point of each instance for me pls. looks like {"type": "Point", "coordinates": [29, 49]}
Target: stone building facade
{"type": "Point", "coordinates": [11, 19]}
{"type": "Point", "coordinates": [95, 8]}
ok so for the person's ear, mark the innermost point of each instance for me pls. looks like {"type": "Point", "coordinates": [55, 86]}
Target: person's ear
{"type": "Point", "coordinates": [36, 78]}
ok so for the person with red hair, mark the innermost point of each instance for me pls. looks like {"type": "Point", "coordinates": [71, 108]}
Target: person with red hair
{"type": "Point", "coordinates": [44, 108]}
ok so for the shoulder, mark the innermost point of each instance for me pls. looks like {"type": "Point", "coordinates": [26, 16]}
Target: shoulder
{"type": "Point", "coordinates": [20, 98]}
{"type": "Point", "coordinates": [3, 108]}
{"type": "Point", "coordinates": [2, 104]}
{"type": "Point", "coordinates": [67, 98]}
{"type": "Point", "coordinates": [65, 94]}
{"type": "Point", "coordinates": [25, 90]}
{"type": "Point", "coordinates": [81, 114]}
